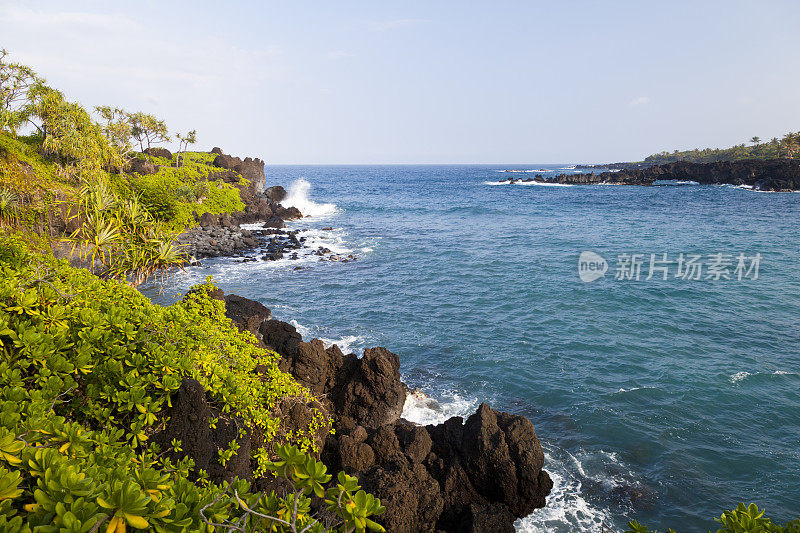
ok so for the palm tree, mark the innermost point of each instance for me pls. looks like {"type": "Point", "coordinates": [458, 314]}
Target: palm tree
{"type": "Point", "coordinates": [790, 144]}
{"type": "Point", "coordinates": [756, 140]}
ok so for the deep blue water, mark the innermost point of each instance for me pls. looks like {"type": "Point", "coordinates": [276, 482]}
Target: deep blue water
{"type": "Point", "coordinates": [663, 400]}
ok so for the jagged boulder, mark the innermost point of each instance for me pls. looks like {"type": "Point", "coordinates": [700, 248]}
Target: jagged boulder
{"type": "Point", "coordinates": [288, 213]}
{"type": "Point", "coordinates": [142, 167]}
{"type": "Point", "coordinates": [372, 392]}
{"type": "Point", "coordinates": [246, 314]}
{"type": "Point", "coordinates": [249, 168]}
{"type": "Point", "coordinates": [487, 472]}
{"type": "Point", "coordinates": [208, 219]}
{"type": "Point", "coordinates": [276, 194]}
{"type": "Point", "coordinates": [274, 222]}
{"type": "Point", "coordinates": [158, 152]}
{"type": "Point", "coordinates": [188, 421]}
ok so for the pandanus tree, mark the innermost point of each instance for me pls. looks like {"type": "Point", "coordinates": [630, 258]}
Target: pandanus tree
{"type": "Point", "coordinates": [16, 81]}
{"type": "Point", "coordinates": [183, 144]}
{"type": "Point", "coordinates": [148, 130]}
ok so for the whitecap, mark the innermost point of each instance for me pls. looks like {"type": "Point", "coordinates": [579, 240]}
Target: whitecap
{"type": "Point", "coordinates": [345, 343]}
{"type": "Point", "coordinates": [298, 197]}
{"type": "Point", "coordinates": [544, 184]}
{"type": "Point", "coordinates": [567, 508]}
{"type": "Point", "coordinates": [739, 376]}
{"type": "Point", "coordinates": [422, 409]}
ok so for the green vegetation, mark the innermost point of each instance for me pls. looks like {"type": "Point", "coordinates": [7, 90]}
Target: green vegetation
{"type": "Point", "coordinates": [173, 193]}
{"type": "Point", "coordinates": [57, 176]}
{"type": "Point", "coordinates": [743, 519]}
{"type": "Point", "coordinates": [787, 147]}
{"type": "Point", "coordinates": [87, 374]}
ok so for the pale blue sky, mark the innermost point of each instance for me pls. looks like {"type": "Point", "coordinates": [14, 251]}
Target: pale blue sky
{"type": "Point", "coordinates": [429, 82]}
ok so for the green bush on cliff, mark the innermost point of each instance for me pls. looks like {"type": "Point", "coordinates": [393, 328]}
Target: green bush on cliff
{"type": "Point", "coordinates": [88, 369]}
{"type": "Point", "coordinates": [743, 519]}
{"type": "Point", "coordinates": [173, 194]}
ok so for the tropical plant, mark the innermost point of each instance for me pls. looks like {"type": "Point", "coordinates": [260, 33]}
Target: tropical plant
{"type": "Point", "coordinates": [183, 144]}
{"type": "Point", "coordinates": [147, 129]}
{"type": "Point", "coordinates": [9, 205]}
{"type": "Point", "coordinates": [743, 519]}
{"type": "Point", "coordinates": [117, 129]}
{"type": "Point", "coordinates": [15, 82]}
{"type": "Point", "coordinates": [88, 369]}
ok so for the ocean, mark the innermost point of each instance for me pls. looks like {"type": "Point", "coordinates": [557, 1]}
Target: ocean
{"type": "Point", "coordinates": [665, 400]}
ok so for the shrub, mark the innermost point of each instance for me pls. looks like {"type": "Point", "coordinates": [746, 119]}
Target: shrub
{"type": "Point", "coordinates": [88, 369]}
{"type": "Point", "coordinates": [743, 519]}
{"type": "Point", "coordinates": [173, 194]}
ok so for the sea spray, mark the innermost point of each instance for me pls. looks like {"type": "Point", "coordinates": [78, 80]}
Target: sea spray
{"type": "Point", "coordinates": [298, 197]}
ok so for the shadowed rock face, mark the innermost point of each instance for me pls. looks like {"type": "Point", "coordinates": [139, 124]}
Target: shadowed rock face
{"type": "Point", "coordinates": [474, 476]}
{"type": "Point", "coordinates": [765, 175]}
{"type": "Point", "coordinates": [482, 474]}
{"type": "Point", "coordinates": [246, 314]}
{"type": "Point", "coordinates": [249, 168]}
{"type": "Point", "coordinates": [158, 152]}
{"type": "Point", "coordinates": [276, 194]}
{"type": "Point", "coordinates": [188, 422]}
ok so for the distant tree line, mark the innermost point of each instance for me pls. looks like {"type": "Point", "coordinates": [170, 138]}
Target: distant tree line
{"type": "Point", "coordinates": [787, 147]}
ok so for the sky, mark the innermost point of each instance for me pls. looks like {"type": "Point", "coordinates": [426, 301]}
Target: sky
{"type": "Point", "coordinates": [428, 82]}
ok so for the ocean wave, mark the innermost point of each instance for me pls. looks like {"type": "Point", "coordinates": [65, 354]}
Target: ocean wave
{"type": "Point", "coordinates": [298, 197]}
{"type": "Point", "coordinates": [528, 171]}
{"type": "Point", "coordinates": [346, 343]}
{"type": "Point", "coordinates": [422, 409]}
{"type": "Point", "coordinates": [540, 183]}
{"type": "Point", "coordinates": [741, 376]}
{"type": "Point", "coordinates": [567, 507]}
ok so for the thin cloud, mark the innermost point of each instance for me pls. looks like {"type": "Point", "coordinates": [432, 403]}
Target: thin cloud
{"type": "Point", "coordinates": [639, 100]}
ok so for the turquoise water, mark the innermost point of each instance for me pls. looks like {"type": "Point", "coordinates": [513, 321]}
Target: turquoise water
{"type": "Point", "coordinates": [664, 400]}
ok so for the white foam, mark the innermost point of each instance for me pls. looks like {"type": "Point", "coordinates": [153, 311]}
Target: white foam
{"type": "Point", "coordinates": [739, 376]}
{"type": "Point", "coordinates": [519, 182]}
{"type": "Point", "coordinates": [298, 197]}
{"type": "Point", "coordinates": [422, 409]}
{"type": "Point", "coordinates": [345, 343]}
{"type": "Point", "coordinates": [544, 184]}
{"type": "Point", "coordinates": [567, 509]}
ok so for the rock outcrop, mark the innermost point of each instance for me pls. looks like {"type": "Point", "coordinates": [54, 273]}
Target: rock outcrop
{"type": "Point", "coordinates": [249, 168]}
{"type": "Point", "coordinates": [451, 477]}
{"type": "Point", "coordinates": [158, 152]}
{"type": "Point", "coordinates": [188, 420]}
{"type": "Point", "coordinates": [764, 175]}
{"type": "Point", "coordinates": [473, 476]}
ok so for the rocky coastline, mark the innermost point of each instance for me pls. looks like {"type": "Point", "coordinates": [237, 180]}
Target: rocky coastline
{"type": "Point", "coordinates": [223, 235]}
{"type": "Point", "coordinates": [775, 175]}
{"type": "Point", "coordinates": [474, 475]}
